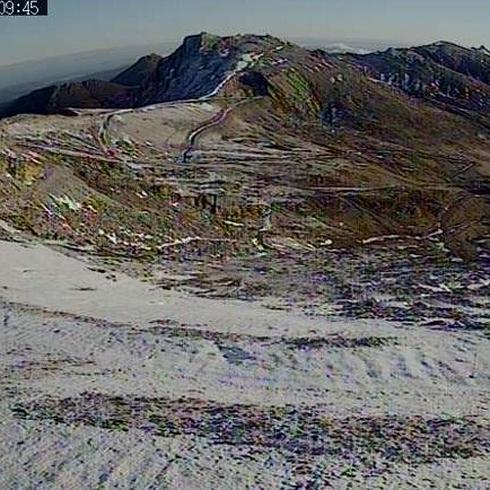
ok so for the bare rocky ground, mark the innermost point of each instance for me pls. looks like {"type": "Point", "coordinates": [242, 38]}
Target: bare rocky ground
{"type": "Point", "coordinates": [373, 374]}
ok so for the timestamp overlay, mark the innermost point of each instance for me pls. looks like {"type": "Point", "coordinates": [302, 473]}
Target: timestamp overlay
{"type": "Point", "coordinates": [24, 8]}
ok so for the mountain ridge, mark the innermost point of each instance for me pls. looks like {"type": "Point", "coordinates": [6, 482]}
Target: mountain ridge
{"type": "Point", "coordinates": [305, 132]}
{"type": "Point", "coordinates": [154, 79]}
{"type": "Point", "coordinates": [441, 72]}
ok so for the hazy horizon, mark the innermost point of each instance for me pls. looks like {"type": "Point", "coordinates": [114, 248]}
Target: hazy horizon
{"type": "Point", "coordinates": [76, 26]}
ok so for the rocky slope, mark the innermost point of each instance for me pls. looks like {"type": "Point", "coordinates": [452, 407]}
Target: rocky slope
{"type": "Point", "coordinates": [201, 64]}
{"type": "Point", "coordinates": [457, 78]}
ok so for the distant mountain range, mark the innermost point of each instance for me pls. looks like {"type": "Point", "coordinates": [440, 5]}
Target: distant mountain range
{"type": "Point", "coordinates": [348, 45]}
{"type": "Point", "coordinates": [21, 78]}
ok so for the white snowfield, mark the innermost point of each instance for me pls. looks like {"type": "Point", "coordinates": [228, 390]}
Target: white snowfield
{"type": "Point", "coordinates": [118, 352]}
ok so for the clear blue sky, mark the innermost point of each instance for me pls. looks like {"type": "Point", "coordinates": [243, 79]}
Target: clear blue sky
{"type": "Point", "coordinates": [83, 25]}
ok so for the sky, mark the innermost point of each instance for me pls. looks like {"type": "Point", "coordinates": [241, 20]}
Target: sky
{"type": "Point", "coordinates": [84, 25]}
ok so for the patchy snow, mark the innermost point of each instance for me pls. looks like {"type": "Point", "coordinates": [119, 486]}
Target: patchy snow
{"type": "Point", "coordinates": [380, 239]}
{"type": "Point", "coordinates": [140, 341]}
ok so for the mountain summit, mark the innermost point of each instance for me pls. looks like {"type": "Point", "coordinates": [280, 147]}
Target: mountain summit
{"type": "Point", "coordinates": [195, 69]}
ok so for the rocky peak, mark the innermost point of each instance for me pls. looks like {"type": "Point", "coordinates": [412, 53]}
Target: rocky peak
{"type": "Point", "coordinates": [191, 45]}
{"type": "Point", "coordinates": [140, 72]}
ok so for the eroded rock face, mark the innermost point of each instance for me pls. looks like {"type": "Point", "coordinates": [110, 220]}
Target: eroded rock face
{"type": "Point", "coordinates": [202, 64]}
{"type": "Point", "coordinates": [192, 71]}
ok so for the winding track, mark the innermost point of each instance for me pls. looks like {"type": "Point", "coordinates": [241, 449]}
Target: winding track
{"type": "Point", "coordinates": [214, 121]}
{"type": "Point", "coordinates": [243, 64]}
